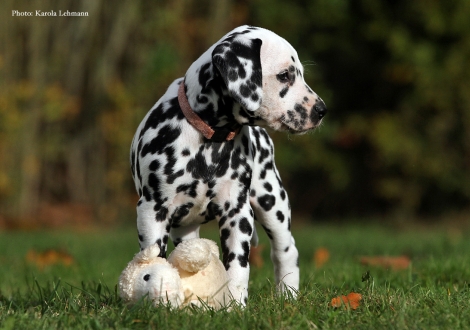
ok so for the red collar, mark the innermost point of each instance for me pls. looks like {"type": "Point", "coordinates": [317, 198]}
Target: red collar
{"type": "Point", "coordinates": [209, 133]}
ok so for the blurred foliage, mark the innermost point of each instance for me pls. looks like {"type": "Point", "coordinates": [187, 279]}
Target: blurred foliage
{"type": "Point", "coordinates": [394, 74]}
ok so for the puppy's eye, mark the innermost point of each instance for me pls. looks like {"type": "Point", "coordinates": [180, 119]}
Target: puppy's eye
{"type": "Point", "coordinates": [283, 76]}
{"type": "Point", "coordinates": [147, 277]}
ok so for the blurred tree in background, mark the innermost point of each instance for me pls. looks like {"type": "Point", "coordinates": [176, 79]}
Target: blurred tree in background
{"type": "Point", "coordinates": [394, 74]}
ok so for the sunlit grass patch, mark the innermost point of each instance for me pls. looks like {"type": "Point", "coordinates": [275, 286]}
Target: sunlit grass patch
{"type": "Point", "coordinates": [432, 293]}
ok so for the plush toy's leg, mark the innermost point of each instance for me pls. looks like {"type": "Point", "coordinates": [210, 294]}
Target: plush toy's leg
{"type": "Point", "coordinates": [180, 234]}
{"type": "Point", "coordinates": [272, 210]}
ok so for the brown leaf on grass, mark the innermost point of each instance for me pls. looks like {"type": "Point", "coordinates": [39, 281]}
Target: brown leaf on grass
{"type": "Point", "coordinates": [394, 263]}
{"type": "Point", "coordinates": [48, 258]}
{"type": "Point", "coordinates": [321, 256]}
{"type": "Point", "coordinates": [256, 259]}
{"type": "Point", "coordinates": [351, 300]}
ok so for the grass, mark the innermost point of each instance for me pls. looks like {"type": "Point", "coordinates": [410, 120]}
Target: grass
{"type": "Point", "coordinates": [433, 293]}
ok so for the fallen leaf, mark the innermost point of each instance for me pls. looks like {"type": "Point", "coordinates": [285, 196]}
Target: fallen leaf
{"type": "Point", "coordinates": [49, 257]}
{"type": "Point", "coordinates": [256, 259]}
{"type": "Point", "coordinates": [395, 263]}
{"type": "Point", "coordinates": [321, 256]}
{"type": "Point", "coordinates": [351, 301]}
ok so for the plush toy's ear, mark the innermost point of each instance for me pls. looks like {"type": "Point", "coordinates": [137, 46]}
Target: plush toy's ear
{"type": "Point", "coordinates": [213, 246]}
{"type": "Point", "coordinates": [192, 255]}
{"type": "Point", "coordinates": [148, 254]}
{"type": "Point", "coordinates": [237, 59]}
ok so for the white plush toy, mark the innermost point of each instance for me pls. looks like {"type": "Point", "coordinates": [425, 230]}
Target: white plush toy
{"type": "Point", "coordinates": [193, 274]}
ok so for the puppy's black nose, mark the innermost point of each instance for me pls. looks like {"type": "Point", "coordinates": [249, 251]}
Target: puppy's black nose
{"type": "Point", "coordinates": [320, 108]}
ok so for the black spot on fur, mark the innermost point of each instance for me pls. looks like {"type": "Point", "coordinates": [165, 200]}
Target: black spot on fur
{"type": "Point", "coordinates": [146, 194]}
{"type": "Point", "coordinates": [269, 166]}
{"type": "Point", "coordinates": [213, 211]}
{"type": "Point", "coordinates": [301, 110]}
{"type": "Point", "coordinates": [205, 74]}
{"type": "Point", "coordinates": [137, 166]}
{"type": "Point", "coordinates": [170, 165]}
{"type": "Point", "coordinates": [222, 220]}
{"type": "Point", "coordinates": [264, 153]}
{"type": "Point", "coordinates": [161, 214]}
{"type": "Point", "coordinates": [237, 159]}
{"type": "Point", "coordinates": [154, 182]}
{"type": "Point", "coordinates": [159, 115]}
{"type": "Point", "coordinates": [283, 92]}
{"type": "Point", "coordinates": [172, 177]}
{"type": "Point", "coordinates": [268, 186]}
{"type": "Point", "coordinates": [189, 189]}
{"type": "Point", "coordinates": [245, 226]}
{"type": "Point", "coordinates": [245, 91]}
{"type": "Point", "coordinates": [154, 165]}
{"type": "Point", "coordinates": [180, 212]}
{"type": "Point", "coordinates": [165, 136]}
{"type": "Point", "coordinates": [267, 201]}
{"type": "Point", "coordinates": [280, 216]}
{"type": "Point", "coordinates": [199, 168]}
{"type": "Point", "coordinates": [228, 260]}
{"type": "Point", "coordinates": [224, 235]}
{"type": "Point", "coordinates": [262, 175]}
{"type": "Point", "coordinates": [243, 258]}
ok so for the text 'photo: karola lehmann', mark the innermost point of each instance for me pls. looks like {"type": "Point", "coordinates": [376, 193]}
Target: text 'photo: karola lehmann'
{"type": "Point", "coordinates": [48, 13]}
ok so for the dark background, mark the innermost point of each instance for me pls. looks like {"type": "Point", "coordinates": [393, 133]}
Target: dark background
{"type": "Point", "coordinates": [395, 76]}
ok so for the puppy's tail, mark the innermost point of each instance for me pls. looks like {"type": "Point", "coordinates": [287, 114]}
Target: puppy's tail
{"type": "Point", "coordinates": [254, 239]}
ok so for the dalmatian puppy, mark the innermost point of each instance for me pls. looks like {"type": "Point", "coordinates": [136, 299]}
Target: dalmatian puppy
{"type": "Point", "coordinates": [202, 152]}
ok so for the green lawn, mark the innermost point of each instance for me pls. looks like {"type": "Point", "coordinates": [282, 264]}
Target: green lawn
{"type": "Point", "coordinates": [433, 293]}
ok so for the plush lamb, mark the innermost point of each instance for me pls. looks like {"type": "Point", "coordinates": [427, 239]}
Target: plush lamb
{"type": "Point", "coordinates": [193, 274]}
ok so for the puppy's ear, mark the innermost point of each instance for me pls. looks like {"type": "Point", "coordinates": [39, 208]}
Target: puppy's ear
{"type": "Point", "coordinates": [237, 58]}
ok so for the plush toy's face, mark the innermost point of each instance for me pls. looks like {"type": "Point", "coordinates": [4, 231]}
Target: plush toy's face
{"type": "Point", "coordinates": [193, 271]}
{"type": "Point", "coordinates": [160, 281]}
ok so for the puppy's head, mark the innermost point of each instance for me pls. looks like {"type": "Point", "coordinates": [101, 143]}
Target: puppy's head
{"type": "Point", "coordinates": [263, 73]}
